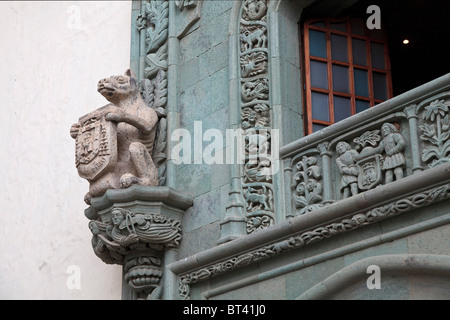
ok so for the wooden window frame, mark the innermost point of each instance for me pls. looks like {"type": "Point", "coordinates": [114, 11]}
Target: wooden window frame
{"type": "Point", "coordinates": [307, 58]}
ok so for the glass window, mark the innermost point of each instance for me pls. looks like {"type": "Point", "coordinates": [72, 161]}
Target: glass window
{"type": "Point", "coordinates": [319, 75]}
{"type": "Point", "coordinates": [362, 105]}
{"type": "Point", "coordinates": [339, 48]}
{"type": "Point", "coordinates": [318, 43]}
{"type": "Point", "coordinates": [379, 86]}
{"type": "Point", "coordinates": [339, 26]}
{"type": "Point", "coordinates": [359, 52]}
{"type": "Point", "coordinates": [342, 108]}
{"type": "Point", "coordinates": [358, 26]}
{"type": "Point", "coordinates": [377, 53]}
{"type": "Point", "coordinates": [361, 83]}
{"type": "Point", "coordinates": [340, 79]}
{"type": "Point", "coordinates": [349, 80]}
{"type": "Point", "coordinates": [320, 110]}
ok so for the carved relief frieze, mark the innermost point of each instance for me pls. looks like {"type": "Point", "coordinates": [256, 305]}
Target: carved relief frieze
{"type": "Point", "coordinates": [306, 186]}
{"type": "Point", "coordinates": [255, 115]}
{"type": "Point", "coordinates": [418, 200]}
{"type": "Point", "coordinates": [435, 132]}
{"type": "Point", "coordinates": [137, 241]}
{"type": "Point", "coordinates": [377, 158]}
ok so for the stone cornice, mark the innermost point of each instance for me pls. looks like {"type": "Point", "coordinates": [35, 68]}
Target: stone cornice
{"type": "Point", "coordinates": [418, 190]}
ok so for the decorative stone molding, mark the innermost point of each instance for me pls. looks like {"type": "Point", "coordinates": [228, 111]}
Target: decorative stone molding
{"type": "Point", "coordinates": [255, 115]}
{"type": "Point", "coordinates": [311, 235]}
{"type": "Point", "coordinates": [134, 227]}
{"type": "Point", "coordinates": [400, 265]}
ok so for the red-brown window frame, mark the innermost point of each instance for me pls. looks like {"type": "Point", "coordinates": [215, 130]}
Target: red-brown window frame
{"type": "Point", "coordinates": [308, 89]}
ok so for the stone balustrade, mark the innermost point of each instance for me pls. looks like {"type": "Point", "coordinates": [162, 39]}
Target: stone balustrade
{"type": "Point", "coordinates": [395, 139]}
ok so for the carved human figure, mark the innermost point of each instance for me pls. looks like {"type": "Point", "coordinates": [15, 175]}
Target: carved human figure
{"type": "Point", "coordinates": [393, 145]}
{"type": "Point", "coordinates": [136, 126]}
{"type": "Point", "coordinates": [118, 234]}
{"type": "Point", "coordinates": [346, 162]}
{"type": "Point", "coordinates": [130, 228]}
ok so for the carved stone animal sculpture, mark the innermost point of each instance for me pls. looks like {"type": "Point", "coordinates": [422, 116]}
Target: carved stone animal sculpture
{"type": "Point", "coordinates": [136, 126]}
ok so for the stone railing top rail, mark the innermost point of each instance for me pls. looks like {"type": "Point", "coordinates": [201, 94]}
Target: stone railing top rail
{"type": "Point", "coordinates": [363, 119]}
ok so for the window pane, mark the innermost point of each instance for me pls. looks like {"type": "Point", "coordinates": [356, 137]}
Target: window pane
{"type": "Point", "coordinates": [339, 48]}
{"type": "Point", "coordinates": [362, 105]}
{"type": "Point", "coordinates": [340, 79]}
{"type": "Point", "coordinates": [358, 26]}
{"type": "Point", "coordinates": [319, 24]}
{"type": "Point", "coordinates": [379, 86]}
{"type": "Point", "coordinates": [317, 127]}
{"type": "Point", "coordinates": [359, 52]}
{"type": "Point", "coordinates": [361, 83]}
{"type": "Point", "coordinates": [319, 75]}
{"type": "Point", "coordinates": [317, 44]}
{"type": "Point", "coordinates": [342, 108]}
{"type": "Point", "coordinates": [320, 109]}
{"type": "Point", "coordinates": [339, 26]}
{"type": "Point", "coordinates": [376, 34]}
{"type": "Point", "coordinates": [377, 52]}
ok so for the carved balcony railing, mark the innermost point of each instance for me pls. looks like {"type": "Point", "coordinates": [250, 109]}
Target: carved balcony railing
{"type": "Point", "coordinates": [338, 180]}
{"type": "Point", "coordinates": [395, 139]}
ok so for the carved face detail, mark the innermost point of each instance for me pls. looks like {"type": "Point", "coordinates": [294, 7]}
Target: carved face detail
{"type": "Point", "coordinates": [116, 216]}
{"type": "Point", "coordinates": [342, 147]}
{"type": "Point", "coordinates": [118, 87]}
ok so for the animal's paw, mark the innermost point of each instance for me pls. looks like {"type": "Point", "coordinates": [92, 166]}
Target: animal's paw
{"type": "Point", "coordinates": [87, 198]}
{"type": "Point", "coordinates": [127, 180]}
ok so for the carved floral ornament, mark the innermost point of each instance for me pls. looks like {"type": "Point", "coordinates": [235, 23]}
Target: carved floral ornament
{"type": "Point", "coordinates": [435, 132]}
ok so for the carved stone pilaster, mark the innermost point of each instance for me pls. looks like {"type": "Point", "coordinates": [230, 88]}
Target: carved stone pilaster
{"type": "Point", "coordinates": [134, 228]}
{"type": "Point", "coordinates": [255, 104]}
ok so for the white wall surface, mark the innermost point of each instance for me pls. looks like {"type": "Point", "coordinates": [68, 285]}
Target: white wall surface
{"type": "Point", "coordinates": [52, 53]}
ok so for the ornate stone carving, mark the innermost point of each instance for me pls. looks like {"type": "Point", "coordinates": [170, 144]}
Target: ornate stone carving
{"type": "Point", "coordinates": [181, 4]}
{"type": "Point", "coordinates": [158, 24]}
{"type": "Point", "coordinates": [154, 85]}
{"type": "Point", "coordinates": [114, 143]}
{"type": "Point", "coordinates": [254, 9]}
{"type": "Point", "coordinates": [137, 241]}
{"type": "Point", "coordinates": [346, 162]}
{"type": "Point", "coordinates": [436, 133]}
{"type": "Point", "coordinates": [255, 115]}
{"type": "Point", "coordinates": [305, 238]}
{"type": "Point", "coordinates": [253, 64]}
{"type": "Point", "coordinates": [307, 189]}
{"type": "Point", "coordinates": [380, 160]}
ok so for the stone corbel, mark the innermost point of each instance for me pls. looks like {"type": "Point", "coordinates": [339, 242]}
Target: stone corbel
{"type": "Point", "coordinates": [135, 228]}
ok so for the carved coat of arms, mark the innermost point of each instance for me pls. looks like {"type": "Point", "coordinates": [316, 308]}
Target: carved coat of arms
{"type": "Point", "coordinates": [96, 144]}
{"type": "Point", "coordinates": [369, 170]}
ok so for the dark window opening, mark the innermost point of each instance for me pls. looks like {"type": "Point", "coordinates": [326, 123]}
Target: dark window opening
{"type": "Point", "coordinates": [339, 83]}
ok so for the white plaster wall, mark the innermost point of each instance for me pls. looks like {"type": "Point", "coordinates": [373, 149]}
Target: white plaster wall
{"type": "Point", "coordinates": [52, 53]}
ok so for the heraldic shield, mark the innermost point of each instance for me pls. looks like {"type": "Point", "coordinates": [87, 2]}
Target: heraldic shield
{"type": "Point", "coordinates": [96, 144]}
{"type": "Point", "coordinates": [369, 174]}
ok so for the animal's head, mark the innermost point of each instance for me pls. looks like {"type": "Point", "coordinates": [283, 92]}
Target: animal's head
{"type": "Point", "coordinates": [116, 88]}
